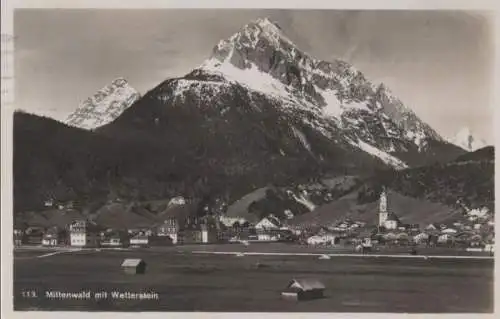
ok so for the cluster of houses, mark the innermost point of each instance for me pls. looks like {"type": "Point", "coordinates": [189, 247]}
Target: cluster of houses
{"type": "Point", "coordinates": [475, 231]}
{"type": "Point", "coordinates": [189, 230]}
{"type": "Point", "coordinates": [84, 233]}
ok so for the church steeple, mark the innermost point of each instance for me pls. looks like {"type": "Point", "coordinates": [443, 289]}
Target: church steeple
{"type": "Point", "coordinates": [382, 213]}
{"type": "Point", "coordinates": [383, 201]}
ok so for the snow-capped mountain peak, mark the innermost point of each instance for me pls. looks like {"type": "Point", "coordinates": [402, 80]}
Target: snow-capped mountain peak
{"type": "Point", "coordinates": [104, 106]}
{"type": "Point", "coordinates": [262, 58]}
{"type": "Point", "coordinates": [466, 139]}
{"type": "Point", "coordinates": [260, 71]}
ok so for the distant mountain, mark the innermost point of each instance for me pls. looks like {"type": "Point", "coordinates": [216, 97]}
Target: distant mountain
{"type": "Point", "coordinates": [466, 139]}
{"type": "Point", "coordinates": [104, 106]}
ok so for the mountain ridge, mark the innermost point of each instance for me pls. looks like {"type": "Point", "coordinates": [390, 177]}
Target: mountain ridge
{"type": "Point", "coordinates": [209, 135]}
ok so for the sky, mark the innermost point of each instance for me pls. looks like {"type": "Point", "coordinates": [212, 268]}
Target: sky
{"type": "Point", "coordinates": [439, 63]}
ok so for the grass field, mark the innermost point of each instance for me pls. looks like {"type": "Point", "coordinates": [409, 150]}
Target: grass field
{"type": "Point", "coordinates": [205, 282]}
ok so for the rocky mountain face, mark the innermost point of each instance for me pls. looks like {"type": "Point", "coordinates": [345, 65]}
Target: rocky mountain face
{"type": "Point", "coordinates": [336, 95]}
{"type": "Point", "coordinates": [467, 140]}
{"type": "Point", "coordinates": [104, 106]}
{"type": "Point", "coordinates": [257, 112]}
{"type": "Point", "coordinates": [259, 71]}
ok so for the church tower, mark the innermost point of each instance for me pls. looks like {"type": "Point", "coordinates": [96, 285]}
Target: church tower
{"type": "Point", "coordinates": [382, 211]}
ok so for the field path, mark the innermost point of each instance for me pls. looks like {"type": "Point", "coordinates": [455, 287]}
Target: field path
{"type": "Point", "coordinates": [50, 254]}
{"type": "Point", "coordinates": [339, 255]}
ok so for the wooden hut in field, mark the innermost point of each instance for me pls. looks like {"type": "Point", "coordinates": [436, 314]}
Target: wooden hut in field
{"type": "Point", "coordinates": [134, 266]}
{"type": "Point", "coordinates": [303, 289]}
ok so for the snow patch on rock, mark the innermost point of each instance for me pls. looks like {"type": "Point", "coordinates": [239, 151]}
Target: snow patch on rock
{"type": "Point", "coordinates": [385, 157]}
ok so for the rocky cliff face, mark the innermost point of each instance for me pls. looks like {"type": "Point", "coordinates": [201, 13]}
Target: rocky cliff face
{"type": "Point", "coordinates": [259, 69]}
{"type": "Point", "coordinates": [263, 58]}
{"type": "Point", "coordinates": [104, 106]}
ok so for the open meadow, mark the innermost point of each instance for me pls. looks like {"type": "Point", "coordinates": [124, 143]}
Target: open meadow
{"type": "Point", "coordinates": [187, 281]}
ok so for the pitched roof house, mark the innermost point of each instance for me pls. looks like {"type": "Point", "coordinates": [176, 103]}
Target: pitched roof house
{"type": "Point", "coordinates": [115, 238]}
{"type": "Point", "coordinates": [33, 236]}
{"type": "Point", "coordinates": [303, 289]}
{"type": "Point", "coordinates": [432, 226]}
{"type": "Point", "coordinates": [269, 222]}
{"type": "Point", "coordinates": [420, 237]}
{"type": "Point", "coordinates": [54, 236]}
{"type": "Point", "coordinates": [133, 266]}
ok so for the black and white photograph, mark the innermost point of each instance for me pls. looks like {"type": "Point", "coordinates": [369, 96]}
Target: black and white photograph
{"type": "Point", "coordinates": [253, 160]}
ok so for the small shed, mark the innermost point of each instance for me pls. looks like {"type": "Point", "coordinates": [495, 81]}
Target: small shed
{"type": "Point", "coordinates": [303, 289]}
{"type": "Point", "coordinates": [134, 266]}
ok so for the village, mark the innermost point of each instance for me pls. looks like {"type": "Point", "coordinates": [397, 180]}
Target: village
{"type": "Point", "coordinates": [476, 233]}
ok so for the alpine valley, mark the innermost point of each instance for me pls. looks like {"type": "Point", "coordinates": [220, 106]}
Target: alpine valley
{"type": "Point", "coordinates": [258, 114]}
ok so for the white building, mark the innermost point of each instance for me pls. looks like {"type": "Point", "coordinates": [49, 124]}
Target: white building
{"type": "Point", "coordinates": [489, 248]}
{"type": "Point", "coordinates": [472, 218]}
{"type": "Point", "coordinates": [208, 233]}
{"type": "Point", "coordinates": [479, 212]}
{"type": "Point", "coordinates": [230, 221]}
{"type": "Point", "coordinates": [444, 238]}
{"type": "Point", "coordinates": [83, 234]}
{"type": "Point", "coordinates": [322, 238]}
{"type": "Point", "coordinates": [170, 228]}
{"type": "Point", "coordinates": [177, 201]}
{"type": "Point", "coordinates": [267, 235]}
{"type": "Point", "coordinates": [432, 227]}
{"type": "Point", "coordinates": [269, 222]}
{"type": "Point", "coordinates": [315, 240]}
{"type": "Point", "coordinates": [112, 242]}
{"type": "Point", "coordinates": [50, 241]}
{"type": "Point", "coordinates": [288, 213]}
{"type": "Point", "coordinates": [449, 231]}
{"type": "Point", "coordinates": [419, 238]}
{"type": "Point", "coordinates": [391, 223]}
{"type": "Point", "coordinates": [139, 240]}
{"type": "Point", "coordinates": [367, 242]}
